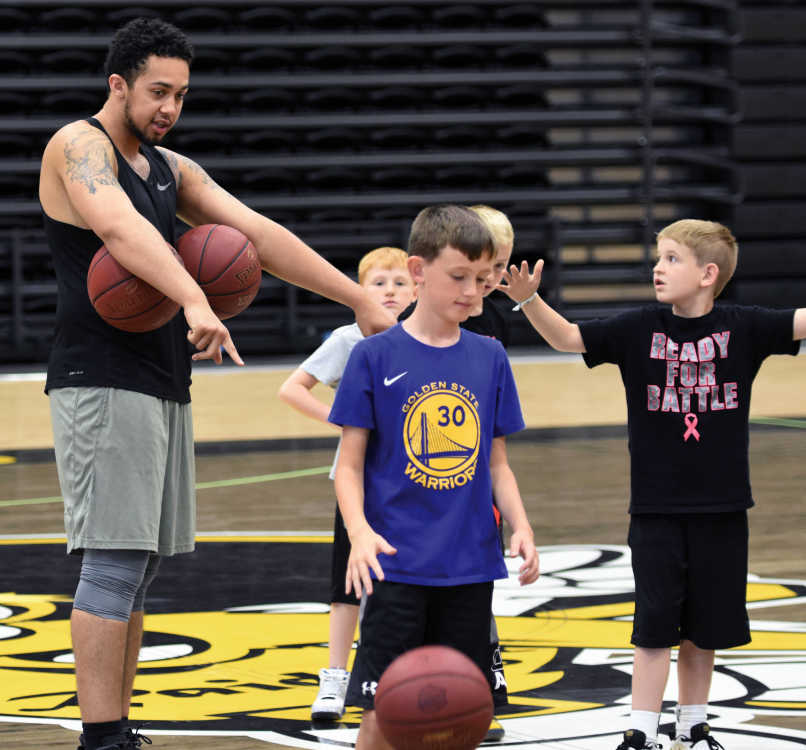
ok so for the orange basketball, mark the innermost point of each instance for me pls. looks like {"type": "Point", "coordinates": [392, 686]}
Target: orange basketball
{"type": "Point", "coordinates": [433, 697]}
{"type": "Point", "coordinates": [224, 263]}
{"type": "Point", "coordinates": [123, 300]}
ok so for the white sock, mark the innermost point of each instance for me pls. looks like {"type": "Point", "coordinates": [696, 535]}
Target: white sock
{"type": "Point", "coordinates": [689, 716]}
{"type": "Point", "coordinates": [647, 722]}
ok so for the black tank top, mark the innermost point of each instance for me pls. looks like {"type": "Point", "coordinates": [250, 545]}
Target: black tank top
{"type": "Point", "coordinates": [87, 351]}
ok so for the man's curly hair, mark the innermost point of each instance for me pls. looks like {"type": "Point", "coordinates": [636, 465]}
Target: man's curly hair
{"type": "Point", "coordinates": [140, 38]}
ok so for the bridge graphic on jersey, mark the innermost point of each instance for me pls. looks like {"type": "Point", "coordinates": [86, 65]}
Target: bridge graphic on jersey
{"type": "Point", "coordinates": [428, 442]}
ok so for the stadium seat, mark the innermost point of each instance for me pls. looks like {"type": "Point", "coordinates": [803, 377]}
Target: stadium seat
{"type": "Point", "coordinates": [117, 17]}
{"type": "Point", "coordinates": [521, 16]}
{"type": "Point", "coordinates": [267, 58]}
{"type": "Point", "coordinates": [269, 140]}
{"type": "Point", "coordinates": [71, 101]}
{"type": "Point", "coordinates": [398, 97]}
{"type": "Point", "coordinates": [462, 136]}
{"type": "Point", "coordinates": [520, 95]}
{"type": "Point", "coordinates": [267, 18]}
{"type": "Point", "coordinates": [333, 97]}
{"type": "Point", "coordinates": [461, 96]}
{"type": "Point", "coordinates": [15, 19]}
{"type": "Point", "coordinates": [16, 103]}
{"type": "Point", "coordinates": [268, 99]}
{"type": "Point", "coordinates": [333, 17]}
{"type": "Point", "coordinates": [456, 56]}
{"type": "Point", "coordinates": [202, 141]}
{"type": "Point", "coordinates": [72, 61]}
{"type": "Point", "coordinates": [270, 180]}
{"type": "Point", "coordinates": [207, 101]}
{"type": "Point", "coordinates": [14, 61]}
{"type": "Point", "coordinates": [211, 59]}
{"type": "Point", "coordinates": [452, 16]}
{"type": "Point", "coordinates": [334, 57]}
{"type": "Point", "coordinates": [335, 178]}
{"type": "Point", "coordinates": [202, 18]}
{"type": "Point", "coordinates": [334, 139]}
{"type": "Point", "coordinates": [70, 18]}
{"type": "Point", "coordinates": [397, 56]}
{"type": "Point", "coordinates": [398, 136]}
{"type": "Point", "coordinates": [396, 17]}
{"type": "Point", "coordinates": [400, 178]}
{"type": "Point", "coordinates": [521, 55]}
{"type": "Point", "coordinates": [462, 176]}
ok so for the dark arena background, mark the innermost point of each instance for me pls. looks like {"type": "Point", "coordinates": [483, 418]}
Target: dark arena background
{"type": "Point", "coordinates": [592, 124]}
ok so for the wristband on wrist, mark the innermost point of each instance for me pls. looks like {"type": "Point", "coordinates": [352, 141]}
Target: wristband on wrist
{"type": "Point", "coordinates": [525, 302]}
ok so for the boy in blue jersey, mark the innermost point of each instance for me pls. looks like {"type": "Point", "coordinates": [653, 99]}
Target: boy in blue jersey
{"type": "Point", "coordinates": [425, 408]}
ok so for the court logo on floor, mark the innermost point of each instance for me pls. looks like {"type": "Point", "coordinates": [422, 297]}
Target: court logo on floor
{"type": "Point", "coordinates": [236, 636]}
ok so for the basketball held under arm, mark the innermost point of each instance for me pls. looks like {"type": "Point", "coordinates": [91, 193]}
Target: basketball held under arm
{"type": "Point", "coordinates": [79, 185]}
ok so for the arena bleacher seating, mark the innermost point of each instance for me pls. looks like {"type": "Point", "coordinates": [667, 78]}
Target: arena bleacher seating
{"type": "Point", "coordinates": [590, 122]}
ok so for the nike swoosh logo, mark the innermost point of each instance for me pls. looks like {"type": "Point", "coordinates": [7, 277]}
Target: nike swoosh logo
{"type": "Point", "coordinates": [389, 381]}
{"type": "Point", "coordinates": [163, 187]}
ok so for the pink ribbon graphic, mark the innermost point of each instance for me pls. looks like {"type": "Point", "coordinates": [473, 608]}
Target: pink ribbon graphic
{"type": "Point", "coordinates": [691, 424]}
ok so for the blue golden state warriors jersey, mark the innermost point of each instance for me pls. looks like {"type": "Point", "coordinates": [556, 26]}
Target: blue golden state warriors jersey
{"type": "Point", "coordinates": [432, 413]}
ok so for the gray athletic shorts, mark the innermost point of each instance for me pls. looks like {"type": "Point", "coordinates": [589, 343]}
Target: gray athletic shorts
{"type": "Point", "coordinates": [126, 470]}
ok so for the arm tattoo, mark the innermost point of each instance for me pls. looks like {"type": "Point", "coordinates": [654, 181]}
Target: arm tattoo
{"type": "Point", "coordinates": [195, 169]}
{"type": "Point", "coordinates": [87, 162]}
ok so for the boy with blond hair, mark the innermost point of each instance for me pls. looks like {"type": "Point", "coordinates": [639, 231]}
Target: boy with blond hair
{"type": "Point", "coordinates": [424, 410]}
{"type": "Point", "coordinates": [688, 365]}
{"type": "Point", "coordinates": [384, 273]}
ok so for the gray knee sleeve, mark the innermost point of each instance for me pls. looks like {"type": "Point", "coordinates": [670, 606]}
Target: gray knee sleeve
{"type": "Point", "coordinates": [109, 582]}
{"type": "Point", "coordinates": [148, 577]}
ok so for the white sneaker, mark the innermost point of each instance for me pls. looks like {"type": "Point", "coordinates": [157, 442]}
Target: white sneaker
{"type": "Point", "coordinates": [700, 739]}
{"type": "Point", "coordinates": [329, 703]}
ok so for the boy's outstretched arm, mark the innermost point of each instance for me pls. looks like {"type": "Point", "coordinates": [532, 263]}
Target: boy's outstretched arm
{"type": "Point", "coordinates": [365, 543]}
{"type": "Point", "coordinates": [799, 325]}
{"type": "Point", "coordinates": [509, 502]}
{"type": "Point", "coordinates": [521, 287]}
{"type": "Point", "coordinates": [296, 392]}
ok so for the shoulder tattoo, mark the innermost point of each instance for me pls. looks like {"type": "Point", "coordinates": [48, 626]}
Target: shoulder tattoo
{"type": "Point", "coordinates": [87, 161]}
{"type": "Point", "coordinates": [173, 163]}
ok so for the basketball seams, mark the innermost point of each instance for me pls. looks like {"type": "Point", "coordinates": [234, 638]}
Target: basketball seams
{"type": "Point", "coordinates": [155, 310]}
{"type": "Point", "coordinates": [225, 265]}
{"type": "Point", "coordinates": [203, 251]}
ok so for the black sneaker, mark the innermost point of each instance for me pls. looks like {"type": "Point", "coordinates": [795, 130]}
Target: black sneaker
{"type": "Point", "coordinates": [116, 742]}
{"type": "Point", "coordinates": [135, 738]}
{"type": "Point", "coordinates": [635, 739]}
{"type": "Point", "coordinates": [701, 738]}
{"type": "Point", "coordinates": [127, 740]}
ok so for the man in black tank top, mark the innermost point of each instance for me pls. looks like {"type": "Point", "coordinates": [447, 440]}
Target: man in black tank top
{"type": "Point", "coordinates": [120, 401]}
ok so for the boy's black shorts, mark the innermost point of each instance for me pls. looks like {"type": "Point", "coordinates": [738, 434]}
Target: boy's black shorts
{"type": "Point", "coordinates": [340, 553]}
{"type": "Point", "coordinates": [398, 617]}
{"type": "Point", "coordinates": [690, 579]}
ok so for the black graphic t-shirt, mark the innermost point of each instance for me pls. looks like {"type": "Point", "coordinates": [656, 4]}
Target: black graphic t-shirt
{"type": "Point", "coordinates": [688, 384]}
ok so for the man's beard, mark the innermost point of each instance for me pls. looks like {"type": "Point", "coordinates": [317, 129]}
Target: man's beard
{"type": "Point", "coordinates": [135, 131]}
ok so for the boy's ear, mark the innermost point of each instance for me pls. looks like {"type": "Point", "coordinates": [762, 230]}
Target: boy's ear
{"type": "Point", "coordinates": [415, 264]}
{"type": "Point", "coordinates": [710, 274]}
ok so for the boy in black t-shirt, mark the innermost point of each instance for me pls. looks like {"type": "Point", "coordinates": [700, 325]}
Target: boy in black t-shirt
{"type": "Point", "coordinates": [687, 365]}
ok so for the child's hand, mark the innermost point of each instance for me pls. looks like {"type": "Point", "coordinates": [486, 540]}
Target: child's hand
{"type": "Point", "coordinates": [523, 545]}
{"type": "Point", "coordinates": [365, 548]}
{"type": "Point", "coordinates": [520, 284]}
